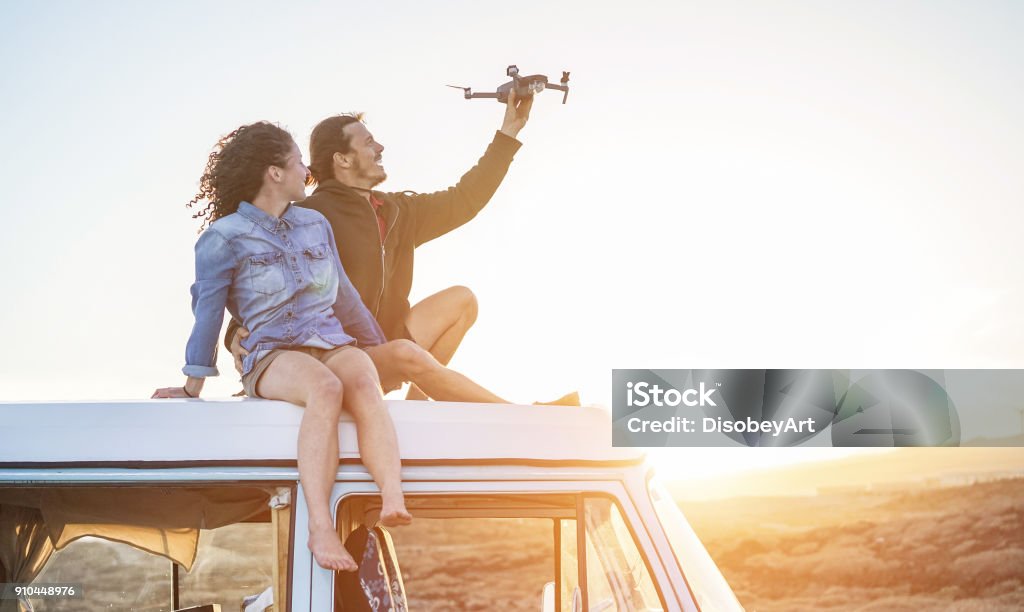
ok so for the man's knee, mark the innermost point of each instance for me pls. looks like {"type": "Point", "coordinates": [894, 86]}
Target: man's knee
{"type": "Point", "coordinates": [468, 305]}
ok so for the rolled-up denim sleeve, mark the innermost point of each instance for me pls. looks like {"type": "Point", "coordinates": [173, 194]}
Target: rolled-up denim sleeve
{"type": "Point", "coordinates": [355, 319]}
{"type": "Point", "coordinates": [215, 269]}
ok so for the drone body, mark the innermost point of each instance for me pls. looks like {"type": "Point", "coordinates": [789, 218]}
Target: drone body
{"type": "Point", "coordinates": [525, 86]}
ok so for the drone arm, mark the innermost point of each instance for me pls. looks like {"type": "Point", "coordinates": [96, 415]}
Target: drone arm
{"type": "Point", "coordinates": [562, 88]}
{"type": "Point", "coordinates": [482, 95]}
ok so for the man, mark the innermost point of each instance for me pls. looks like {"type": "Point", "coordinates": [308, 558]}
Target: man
{"type": "Point", "coordinates": [377, 233]}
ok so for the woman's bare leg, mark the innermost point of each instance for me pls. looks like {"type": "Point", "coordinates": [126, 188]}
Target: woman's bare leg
{"type": "Point", "coordinates": [378, 444]}
{"type": "Point", "coordinates": [300, 379]}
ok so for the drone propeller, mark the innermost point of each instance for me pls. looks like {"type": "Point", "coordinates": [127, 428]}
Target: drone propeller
{"type": "Point", "coordinates": [467, 91]}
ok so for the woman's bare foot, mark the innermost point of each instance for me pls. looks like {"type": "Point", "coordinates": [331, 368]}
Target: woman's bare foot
{"type": "Point", "coordinates": [393, 512]}
{"type": "Point", "coordinates": [328, 551]}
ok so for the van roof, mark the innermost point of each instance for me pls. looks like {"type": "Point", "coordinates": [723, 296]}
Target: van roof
{"type": "Point", "coordinates": [262, 432]}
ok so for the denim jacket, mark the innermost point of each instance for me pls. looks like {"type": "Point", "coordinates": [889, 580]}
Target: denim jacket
{"type": "Point", "coordinates": [282, 278]}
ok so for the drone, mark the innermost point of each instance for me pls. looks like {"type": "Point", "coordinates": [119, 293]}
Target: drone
{"type": "Point", "coordinates": [525, 86]}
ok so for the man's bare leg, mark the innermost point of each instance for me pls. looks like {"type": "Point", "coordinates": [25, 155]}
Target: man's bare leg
{"type": "Point", "coordinates": [378, 444]}
{"type": "Point", "coordinates": [401, 360]}
{"type": "Point", "coordinates": [300, 379]}
{"type": "Point", "coordinates": [439, 323]}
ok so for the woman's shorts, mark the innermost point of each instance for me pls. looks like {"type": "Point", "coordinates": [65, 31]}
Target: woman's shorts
{"type": "Point", "coordinates": [250, 380]}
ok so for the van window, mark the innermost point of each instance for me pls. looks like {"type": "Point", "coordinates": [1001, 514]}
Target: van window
{"type": "Point", "coordinates": [232, 562]}
{"type": "Point", "coordinates": [121, 544]}
{"type": "Point", "coordinates": [475, 563]}
{"type": "Point", "coordinates": [114, 576]}
{"type": "Point", "coordinates": [617, 576]}
{"type": "Point", "coordinates": [505, 552]}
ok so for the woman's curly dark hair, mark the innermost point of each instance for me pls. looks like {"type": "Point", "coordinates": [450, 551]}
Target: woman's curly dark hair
{"type": "Point", "coordinates": [234, 171]}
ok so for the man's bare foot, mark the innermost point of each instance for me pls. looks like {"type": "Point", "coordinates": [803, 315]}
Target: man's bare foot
{"type": "Point", "coordinates": [393, 512]}
{"type": "Point", "coordinates": [328, 551]}
{"type": "Point", "coordinates": [569, 399]}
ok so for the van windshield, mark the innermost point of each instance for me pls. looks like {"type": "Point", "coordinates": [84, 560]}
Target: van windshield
{"type": "Point", "coordinates": [706, 583]}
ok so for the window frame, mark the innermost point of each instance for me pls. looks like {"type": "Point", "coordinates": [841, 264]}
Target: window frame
{"type": "Point", "coordinates": [322, 587]}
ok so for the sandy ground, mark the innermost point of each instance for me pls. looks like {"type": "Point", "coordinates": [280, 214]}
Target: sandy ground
{"type": "Point", "coordinates": [951, 548]}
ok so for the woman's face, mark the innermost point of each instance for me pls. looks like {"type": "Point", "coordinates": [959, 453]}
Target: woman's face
{"type": "Point", "coordinates": [295, 175]}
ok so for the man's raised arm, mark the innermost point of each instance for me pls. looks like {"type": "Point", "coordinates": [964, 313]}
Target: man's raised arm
{"type": "Point", "coordinates": [435, 214]}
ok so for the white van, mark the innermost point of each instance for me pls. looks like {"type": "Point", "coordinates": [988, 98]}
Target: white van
{"type": "Point", "coordinates": [196, 504]}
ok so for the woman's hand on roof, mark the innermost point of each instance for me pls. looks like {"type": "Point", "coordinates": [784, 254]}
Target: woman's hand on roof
{"type": "Point", "coordinates": [170, 392]}
{"type": "Point", "coordinates": [193, 386]}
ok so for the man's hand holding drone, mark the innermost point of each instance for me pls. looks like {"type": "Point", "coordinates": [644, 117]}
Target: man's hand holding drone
{"type": "Point", "coordinates": [517, 113]}
{"type": "Point", "coordinates": [517, 96]}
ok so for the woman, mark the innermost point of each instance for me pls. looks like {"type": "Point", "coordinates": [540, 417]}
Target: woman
{"type": "Point", "coordinates": [275, 267]}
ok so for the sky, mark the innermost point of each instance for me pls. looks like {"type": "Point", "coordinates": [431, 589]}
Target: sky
{"type": "Point", "coordinates": [731, 184]}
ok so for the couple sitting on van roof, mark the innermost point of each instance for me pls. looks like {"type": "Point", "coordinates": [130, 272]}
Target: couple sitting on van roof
{"type": "Point", "coordinates": [276, 268]}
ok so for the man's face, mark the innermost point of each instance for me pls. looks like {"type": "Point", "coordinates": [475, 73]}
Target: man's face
{"type": "Point", "coordinates": [364, 155]}
{"type": "Point", "coordinates": [295, 173]}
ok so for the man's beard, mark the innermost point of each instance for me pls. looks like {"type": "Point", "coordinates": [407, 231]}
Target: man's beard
{"type": "Point", "coordinates": [374, 175]}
